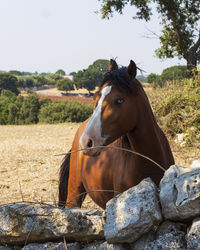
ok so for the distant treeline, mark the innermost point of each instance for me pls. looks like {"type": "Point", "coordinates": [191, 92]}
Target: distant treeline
{"type": "Point", "coordinates": [20, 110]}
{"type": "Point", "coordinates": [16, 109]}
{"type": "Point", "coordinates": [174, 73]}
{"type": "Point", "coordinates": [87, 78]}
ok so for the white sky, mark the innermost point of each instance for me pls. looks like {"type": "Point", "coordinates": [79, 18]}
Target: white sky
{"type": "Point", "coordinates": [46, 35]}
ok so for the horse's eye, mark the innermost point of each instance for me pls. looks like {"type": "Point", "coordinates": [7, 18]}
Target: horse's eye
{"type": "Point", "coordinates": [119, 101]}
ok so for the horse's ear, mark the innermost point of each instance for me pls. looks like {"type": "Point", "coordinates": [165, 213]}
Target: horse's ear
{"type": "Point", "coordinates": [113, 65]}
{"type": "Point", "coordinates": [132, 69]}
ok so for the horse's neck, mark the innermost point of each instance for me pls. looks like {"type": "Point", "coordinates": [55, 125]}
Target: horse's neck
{"type": "Point", "coordinates": [148, 139]}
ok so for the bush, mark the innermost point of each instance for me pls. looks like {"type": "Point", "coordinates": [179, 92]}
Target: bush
{"type": "Point", "coordinates": [19, 110]}
{"type": "Point", "coordinates": [151, 78]}
{"type": "Point", "coordinates": [29, 110]}
{"type": "Point", "coordinates": [175, 73]}
{"type": "Point", "coordinates": [179, 110]}
{"type": "Point", "coordinates": [64, 111]}
{"type": "Point", "coordinates": [9, 82]}
{"type": "Point", "coordinates": [65, 84]}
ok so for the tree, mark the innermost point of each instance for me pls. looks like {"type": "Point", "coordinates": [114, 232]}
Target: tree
{"type": "Point", "coordinates": [101, 65]}
{"type": "Point", "coordinates": [60, 72]}
{"type": "Point", "coordinates": [151, 78]}
{"type": "Point", "coordinates": [30, 109]}
{"type": "Point", "coordinates": [177, 72]}
{"type": "Point", "coordinates": [65, 84]}
{"type": "Point", "coordinates": [180, 35]}
{"type": "Point", "coordinates": [25, 81]}
{"type": "Point", "coordinates": [15, 72]}
{"type": "Point", "coordinates": [90, 78]}
{"type": "Point", "coordinates": [9, 82]}
{"type": "Point", "coordinates": [72, 73]}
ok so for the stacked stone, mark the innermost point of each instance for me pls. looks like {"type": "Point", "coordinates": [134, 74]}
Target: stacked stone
{"type": "Point", "coordinates": [139, 218]}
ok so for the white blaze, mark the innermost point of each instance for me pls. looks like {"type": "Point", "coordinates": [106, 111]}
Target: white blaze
{"type": "Point", "coordinates": [94, 128]}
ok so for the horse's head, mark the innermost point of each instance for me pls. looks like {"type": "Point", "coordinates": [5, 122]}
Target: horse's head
{"type": "Point", "coordinates": [115, 111]}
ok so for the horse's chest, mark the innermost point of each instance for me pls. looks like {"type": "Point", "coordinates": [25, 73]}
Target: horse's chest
{"type": "Point", "coordinates": [125, 176]}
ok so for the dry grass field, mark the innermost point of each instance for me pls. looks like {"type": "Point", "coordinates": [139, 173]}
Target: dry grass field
{"type": "Point", "coordinates": [28, 165]}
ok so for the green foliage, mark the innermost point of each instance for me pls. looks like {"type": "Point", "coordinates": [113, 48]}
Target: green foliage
{"type": "Point", "coordinates": [6, 98]}
{"type": "Point", "coordinates": [174, 73]}
{"type": "Point", "coordinates": [15, 72]}
{"type": "Point", "coordinates": [180, 20]}
{"type": "Point", "coordinates": [177, 109]}
{"type": "Point", "coordinates": [29, 110]}
{"type": "Point", "coordinates": [72, 73]}
{"type": "Point", "coordinates": [18, 110]}
{"type": "Point", "coordinates": [91, 77]}
{"type": "Point", "coordinates": [151, 78]}
{"type": "Point", "coordinates": [25, 81]}
{"type": "Point", "coordinates": [101, 65]}
{"type": "Point", "coordinates": [60, 72]}
{"type": "Point", "coordinates": [54, 77]}
{"type": "Point", "coordinates": [29, 81]}
{"type": "Point", "coordinates": [64, 111]}
{"type": "Point", "coordinates": [65, 84]}
{"type": "Point", "coordinates": [9, 82]}
{"type": "Point", "coordinates": [45, 101]}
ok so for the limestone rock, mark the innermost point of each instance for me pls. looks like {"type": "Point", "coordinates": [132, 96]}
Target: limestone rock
{"type": "Point", "coordinates": [168, 236]}
{"type": "Point", "coordinates": [3, 247]}
{"type": "Point", "coordinates": [53, 246]}
{"type": "Point", "coordinates": [144, 242]}
{"type": "Point", "coordinates": [195, 163]}
{"type": "Point", "coordinates": [20, 223]}
{"type": "Point", "coordinates": [180, 192]}
{"type": "Point", "coordinates": [105, 246]}
{"type": "Point", "coordinates": [193, 235]}
{"type": "Point", "coordinates": [132, 213]}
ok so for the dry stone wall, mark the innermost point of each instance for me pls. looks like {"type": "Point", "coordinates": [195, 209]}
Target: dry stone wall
{"type": "Point", "coordinates": [140, 218]}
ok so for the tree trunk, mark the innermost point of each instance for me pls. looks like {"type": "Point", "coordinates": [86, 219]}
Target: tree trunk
{"type": "Point", "coordinates": [191, 56]}
{"type": "Point", "coordinates": [191, 59]}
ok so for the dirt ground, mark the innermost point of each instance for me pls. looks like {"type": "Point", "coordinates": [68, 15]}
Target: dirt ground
{"type": "Point", "coordinates": [29, 168]}
{"type": "Point", "coordinates": [28, 165]}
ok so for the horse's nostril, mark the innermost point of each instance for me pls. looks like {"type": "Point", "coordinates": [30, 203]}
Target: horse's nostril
{"type": "Point", "coordinates": [89, 145]}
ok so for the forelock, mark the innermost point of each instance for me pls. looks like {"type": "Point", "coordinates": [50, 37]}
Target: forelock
{"type": "Point", "coordinates": [120, 79]}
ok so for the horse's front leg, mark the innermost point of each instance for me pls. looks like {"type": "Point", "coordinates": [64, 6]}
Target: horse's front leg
{"type": "Point", "coordinates": [76, 191]}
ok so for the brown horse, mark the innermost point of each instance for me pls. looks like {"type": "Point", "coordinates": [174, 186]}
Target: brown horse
{"type": "Point", "coordinates": [122, 117]}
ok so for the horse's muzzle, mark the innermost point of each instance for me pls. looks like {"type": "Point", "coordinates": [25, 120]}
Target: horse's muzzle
{"type": "Point", "coordinates": [92, 152]}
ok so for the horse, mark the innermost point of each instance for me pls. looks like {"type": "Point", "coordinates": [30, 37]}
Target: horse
{"type": "Point", "coordinates": [122, 118]}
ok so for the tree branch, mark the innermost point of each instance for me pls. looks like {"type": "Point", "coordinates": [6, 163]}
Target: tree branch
{"type": "Point", "coordinates": [151, 35]}
{"type": "Point", "coordinates": [195, 47]}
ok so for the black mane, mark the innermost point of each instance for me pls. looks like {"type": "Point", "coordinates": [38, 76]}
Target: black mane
{"type": "Point", "coordinates": [121, 79]}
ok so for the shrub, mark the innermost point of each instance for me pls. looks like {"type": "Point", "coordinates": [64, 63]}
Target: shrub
{"type": "Point", "coordinates": [65, 84]}
{"type": "Point", "coordinates": [64, 111]}
{"type": "Point", "coordinates": [6, 98]}
{"type": "Point", "coordinates": [9, 82]}
{"type": "Point", "coordinates": [176, 108]}
{"type": "Point", "coordinates": [151, 78]}
{"type": "Point", "coordinates": [29, 110]}
{"type": "Point", "coordinates": [175, 73]}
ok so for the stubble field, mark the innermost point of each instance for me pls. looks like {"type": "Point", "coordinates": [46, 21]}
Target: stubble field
{"type": "Point", "coordinates": [29, 169]}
